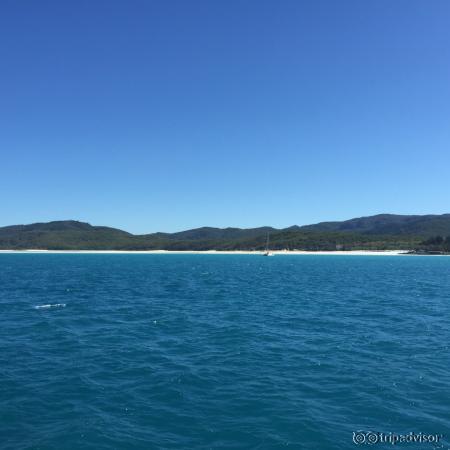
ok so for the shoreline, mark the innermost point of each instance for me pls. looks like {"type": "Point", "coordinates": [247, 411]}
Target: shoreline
{"type": "Point", "coordinates": [215, 252]}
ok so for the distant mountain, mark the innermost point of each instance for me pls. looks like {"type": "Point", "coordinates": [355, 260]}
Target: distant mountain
{"type": "Point", "coordinates": [383, 231]}
{"type": "Point", "coordinates": [389, 224]}
{"type": "Point", "coordinates": [68, 234]}
{"type": "Point", "coordinates": [210, 233]}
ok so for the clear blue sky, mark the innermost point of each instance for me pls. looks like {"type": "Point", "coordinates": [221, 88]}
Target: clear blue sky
{"type": "Point", "coordinates": [167, 115]}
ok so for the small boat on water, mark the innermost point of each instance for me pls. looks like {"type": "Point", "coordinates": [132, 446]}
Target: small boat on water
{"type": "Point", "coordinates": [267, 252]}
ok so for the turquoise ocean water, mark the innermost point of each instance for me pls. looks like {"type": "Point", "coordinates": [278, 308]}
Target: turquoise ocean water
{"type": "Point", "coordinates": [222, 351]}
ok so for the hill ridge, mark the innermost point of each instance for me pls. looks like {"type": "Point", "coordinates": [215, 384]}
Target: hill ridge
{"type": "Point", "coordinates": [381, 231]}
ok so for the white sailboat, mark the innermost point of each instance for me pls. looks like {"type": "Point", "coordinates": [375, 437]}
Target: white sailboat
{"type": "Point", "coordinates": [267, 252]}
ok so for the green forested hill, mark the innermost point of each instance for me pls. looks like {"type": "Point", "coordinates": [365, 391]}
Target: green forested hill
{"type": "Point", "coordinates": [68, 234]}
{"type": "Point", "coordinates": [385, 231]}
{"type": "Point", "coordinates": [390, 224]}
{"type": "Point", "coordinates": [210, 233]}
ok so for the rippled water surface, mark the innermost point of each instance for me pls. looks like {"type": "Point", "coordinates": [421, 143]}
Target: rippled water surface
{"type": "Point", "coordinates": [221, 351]}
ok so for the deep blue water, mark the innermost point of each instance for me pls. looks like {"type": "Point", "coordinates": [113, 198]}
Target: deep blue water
{"type": "Point", "coordinates": [221, 351]}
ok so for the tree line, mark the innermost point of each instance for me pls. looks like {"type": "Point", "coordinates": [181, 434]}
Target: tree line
{"type": "Point", "coordinates": [437, 243]}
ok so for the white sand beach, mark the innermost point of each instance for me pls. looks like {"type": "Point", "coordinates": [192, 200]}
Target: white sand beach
{"type": "Point", "coordinates": [217, 252]}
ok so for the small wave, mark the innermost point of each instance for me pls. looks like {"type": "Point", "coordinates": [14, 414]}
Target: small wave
{"type": "Point", "coordinates": [54, 305]}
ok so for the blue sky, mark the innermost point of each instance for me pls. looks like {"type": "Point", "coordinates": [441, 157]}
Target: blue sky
{"type": "Point", "coordinates": [168, 115]}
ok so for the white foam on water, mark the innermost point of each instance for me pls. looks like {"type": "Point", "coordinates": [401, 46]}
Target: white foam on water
{"type": "Point", "coordinates": [54, 305]}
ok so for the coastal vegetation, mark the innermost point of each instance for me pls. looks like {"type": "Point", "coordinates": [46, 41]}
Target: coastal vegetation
{"type": "Point", "coordinates": [435, 244]}
{"type": "Point", "coordinates": [381, 232]}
